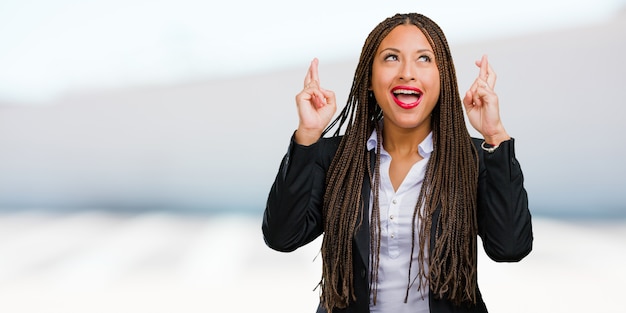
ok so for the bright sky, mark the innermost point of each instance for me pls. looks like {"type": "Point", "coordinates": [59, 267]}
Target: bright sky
{"type": "Point", "coordinates": [48, 47]}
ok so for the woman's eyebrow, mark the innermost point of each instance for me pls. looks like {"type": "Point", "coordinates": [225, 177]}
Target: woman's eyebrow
{"type": "Point", "coordinates": [398, 50]}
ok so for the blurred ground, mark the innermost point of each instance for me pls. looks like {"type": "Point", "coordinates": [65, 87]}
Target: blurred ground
{"type": "Point", "coordinates": [160, 262]}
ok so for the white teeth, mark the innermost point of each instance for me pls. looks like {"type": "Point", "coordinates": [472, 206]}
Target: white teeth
{"type": "Point", "coordinates": [406, 92]}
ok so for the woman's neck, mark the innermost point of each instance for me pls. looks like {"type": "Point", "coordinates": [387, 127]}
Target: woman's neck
{"type": "Point", "coordinates": [404, 141]}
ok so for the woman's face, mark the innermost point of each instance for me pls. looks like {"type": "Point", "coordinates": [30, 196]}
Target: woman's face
{"type": "Point", "coordinates": [405, 78]}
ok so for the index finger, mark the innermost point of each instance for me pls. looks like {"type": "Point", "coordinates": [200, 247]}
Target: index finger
{"type": "Point", "coordinates": [484, 68]}
{"type": "Point", "coordinates": [311, 74]}
{"type": "Point", "coordinates": [314, 74]}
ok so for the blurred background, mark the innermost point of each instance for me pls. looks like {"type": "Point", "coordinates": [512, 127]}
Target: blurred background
{"type": "Point", "coordinates": [139, 139]}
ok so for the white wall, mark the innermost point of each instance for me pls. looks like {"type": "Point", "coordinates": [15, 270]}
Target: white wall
{"type": "Point", "coordinates": [210, 145]}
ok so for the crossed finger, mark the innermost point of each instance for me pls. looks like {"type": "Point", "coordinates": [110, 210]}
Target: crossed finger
{"type": "Point", "coordinates": [312, 85]}
{"type": "Point", "coordinates": [486, 73]}
{"type": "Point", "coordinates": [312, 76]}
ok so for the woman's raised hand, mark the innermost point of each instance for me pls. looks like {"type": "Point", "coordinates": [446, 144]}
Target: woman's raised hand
{"type": "Point", "coordinates": [482, 107]}
{"type": "Point", "coordinates": [316, 107]}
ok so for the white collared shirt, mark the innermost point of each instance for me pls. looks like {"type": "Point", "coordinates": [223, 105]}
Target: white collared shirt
{"type": "Point", "coordinates": [396, 215]}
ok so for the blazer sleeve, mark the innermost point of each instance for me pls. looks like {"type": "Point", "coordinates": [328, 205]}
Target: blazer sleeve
{"type": "Point", "coordinates": [504, 220]}
{"type": "Point", "coordinates": [293, 213]}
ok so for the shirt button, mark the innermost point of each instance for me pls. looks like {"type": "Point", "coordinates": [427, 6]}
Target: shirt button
{"type": "Point", "coordinates": [394, 201]}
{"type": "Point", "coordinates": [393, 236]}
{"type": "Point", "coordinates": [391, 216]}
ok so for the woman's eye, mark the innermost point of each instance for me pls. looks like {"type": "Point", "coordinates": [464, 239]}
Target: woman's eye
{"type": "Point", "coordinates": [391, 57]}
{"type": "Point", "coordinates": [424, 58]}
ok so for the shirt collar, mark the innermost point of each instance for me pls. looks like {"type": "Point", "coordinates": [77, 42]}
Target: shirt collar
{"type": "Point", "coordinates": [425, 148]}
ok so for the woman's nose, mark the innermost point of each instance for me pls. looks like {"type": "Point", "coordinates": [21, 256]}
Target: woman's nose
{"type": "Point", "coordinates": [408, 72]}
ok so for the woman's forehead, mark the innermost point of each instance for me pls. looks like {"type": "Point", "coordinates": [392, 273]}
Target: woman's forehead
{"type": "Point", "coordinates": [405, 36]}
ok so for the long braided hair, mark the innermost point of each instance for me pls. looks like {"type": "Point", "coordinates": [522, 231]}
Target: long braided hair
{"type": "Point", "coordinates": [450, 185]}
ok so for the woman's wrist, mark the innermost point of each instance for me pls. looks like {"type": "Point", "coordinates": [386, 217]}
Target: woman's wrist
{"type": "Point", "coordinates": [307, 137]}
{"type": "Point", "coordinates": [497, 139]}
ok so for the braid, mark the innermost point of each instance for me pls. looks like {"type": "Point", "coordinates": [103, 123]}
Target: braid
{"type": "Point", "coordinates": [450, 184]}
{"type": "Point", "coordinates": [375, 219]}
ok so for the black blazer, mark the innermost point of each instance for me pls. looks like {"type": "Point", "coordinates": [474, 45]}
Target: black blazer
{"type": "Point", "coordinates": [293, 214]}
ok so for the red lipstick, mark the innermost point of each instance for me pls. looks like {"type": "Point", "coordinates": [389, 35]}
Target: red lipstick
{"type": "Point", "coordinates": [406, 97]}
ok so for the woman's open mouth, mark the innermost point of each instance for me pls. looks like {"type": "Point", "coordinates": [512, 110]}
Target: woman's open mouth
{"type": "Point", "coordinates": [406, 97]}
